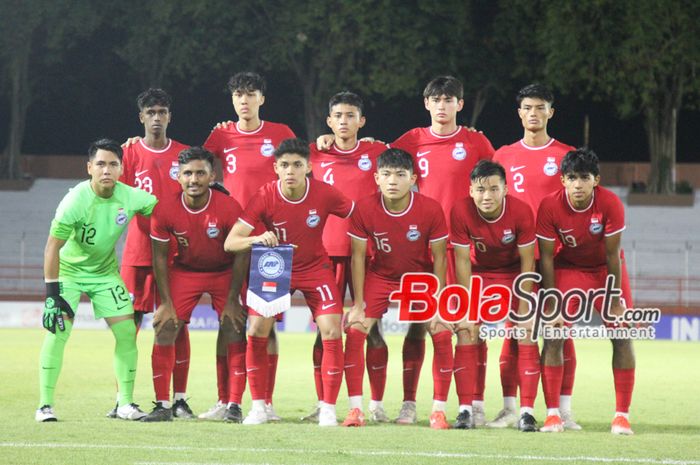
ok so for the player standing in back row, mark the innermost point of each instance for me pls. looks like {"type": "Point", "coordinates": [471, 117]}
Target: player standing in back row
{"type": "Point", "coordinates": [532, 165]}
{"type": "Point", "coordinates": [245, 149]}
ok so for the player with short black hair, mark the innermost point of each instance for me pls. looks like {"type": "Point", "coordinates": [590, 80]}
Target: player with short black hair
{"type": "Point", "coordinates": [151, 164]}
{"type": "Point", "coordinates": [532, 167]}
{"type": "Point", "coordinates": [494, 238]}
{"type": "Point", "coordinates": [296, 209]}
{"type": "Point", "coordinates": [245, 150]}
{"type": "Point", "coordinates": [80, 257]}
{"type": "Point", "coordinates": [409, 235]}
{"type": "Point", "coordinates": [198, 219]}
{"type": "Point", "coordinates": [348, 165]}
{"type": "Point", "coordinates": [588, 221]}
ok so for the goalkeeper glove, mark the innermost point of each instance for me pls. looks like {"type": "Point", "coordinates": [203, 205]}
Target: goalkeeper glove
{"type": "Point", "coordinates": [54, 308]}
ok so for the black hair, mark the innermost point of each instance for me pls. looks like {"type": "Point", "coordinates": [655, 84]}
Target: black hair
{"type": "Point", "coordinates": [247, 81]}
{"type": "Point", "coordinates": [347, 98]}
{"type": "Point", "coordinates": [105, 144]}
{"type": "Point", "coordinates": [195, 153]}
{"type": "Point", "coordinates": [536, 90]}
{"type": "Point", "coordinates": [395, 158]}
{"type": "Point", "coordinates": [582, 161]}
{"type": "Point", "coordinates": [487, 168]}
{"type": "Point", "coordinates": [152, 97]}
{"type": "Point", "coordinates": [295, 145]}
{"type": "Point", "coordinates": [444, 85]}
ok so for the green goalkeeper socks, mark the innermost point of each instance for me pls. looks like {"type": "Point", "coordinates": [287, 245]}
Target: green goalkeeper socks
{"type": "Point", "coordinates": [125, 359]}
{"type": "Point", "coordinates": [51, 361]}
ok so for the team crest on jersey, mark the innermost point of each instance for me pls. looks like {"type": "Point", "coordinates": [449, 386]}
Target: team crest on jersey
{"type": "Point", "coordinates": [550, 168]}
{"type": "Point", "coordinates": [508, 236]}
{"type": "Point", "coordinates": [365, 164]}
{"type": "Point", "coordinates": [212, 230]}
{"type": "Point", "coordinates": [596, 227]}
{"type": "Point", "coordinates": [121, 218]}
{"type": "Point", "coordinates": [313, 219]}
{"type": "Point", "coordinates": [271, 265]}
{"type": "Point", "coordinates": [174, 170]}
{"type": "Point", "coordinates": [459, 152]}
{"type": "Point", "coordinates": [267, 149]}
{"type": "Point", "coordinates": [413, 234]}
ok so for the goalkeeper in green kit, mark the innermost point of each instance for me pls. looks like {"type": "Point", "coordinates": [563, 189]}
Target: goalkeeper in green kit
{"type": "Point", "coordinates": [80, 257]}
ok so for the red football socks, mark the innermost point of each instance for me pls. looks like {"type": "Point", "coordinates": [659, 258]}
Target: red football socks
{"type": "Point", "coordinates": [236, 372]}
{"type": "Point", "coordinates": [377, 360]}
{"type": "Point", "coordinates": [465, 369]}
{"type": "Point", "coordinates": [413, 355]}
{"type": "Point", "coordinates": [257, 366]}
{"type": "Point", "coordinates": [332, 369]}
{"type": "Point", "coordinates": [354, 361]}
{"type": "Point", "coordinates": [443, 363]}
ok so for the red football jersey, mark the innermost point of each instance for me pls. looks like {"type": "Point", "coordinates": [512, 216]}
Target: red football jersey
{"type": "Point", "coordinates": [247, 157]}
{"type": "Point", "coordinates": [200, 234]}
{"type": "Point", "coordinates": [493, 243]}
{"type": "Point", "coordinates": [532, 172]}
{"type": "Point", "coordinates": [581, 232]}
{"type": "Point", "coordinates": [154, 171]}
{"type": "Point", "coordinates": [299, 222]}
{"type": "Point", "coordinates": [443, 163]}
{"type": "Point", "coordinates": [401, 240]}
{"type": "Point", "coordinates": [351, 172]}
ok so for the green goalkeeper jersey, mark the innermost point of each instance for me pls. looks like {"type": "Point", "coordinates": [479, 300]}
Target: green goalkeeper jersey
{"type": "Point", "coordinates": [91, 226]}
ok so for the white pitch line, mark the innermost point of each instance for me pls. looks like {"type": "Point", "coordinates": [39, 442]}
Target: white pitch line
{"type": "Point", "coordinates": [362, 453]}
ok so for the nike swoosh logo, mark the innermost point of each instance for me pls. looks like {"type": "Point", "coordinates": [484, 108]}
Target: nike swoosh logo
{"type": "Point", "coordinates": [139, 173]}
{"type": "Point", "coordinates": [445, 370]}
{"type": "Point", "coordinates": [566, 230]}
{"type": "Point", "coordinates": [532, 372]}
{"type": "Point", "coordinates": [230, 150]}
{"type": "Point", "coordinates": [239, 373]}
{"type": "Point", "coordinates": [248, 370]}
{"type": "Point", "coordinates": [407, 369]}
{"type": "Point", "coordinates": [516, 168]}
{"type": "Point", "coordinates": [420, 154]}
{"type": "Point", "coordinates": [328, 163]}
{"type": "Point", "coordinates": [349, 366]}
{"type": "Point", "coordinates": [48, 368]}
{"type": "Point", "coordinates": [180, 362]}
{"type": "Point", "coordinates": [459, 369]}
{"type": "Point", "coordinates": [323, 307]}
{"type": "Point", "coordinates": [331, 373]}
{"type": "Point", "coordinates": [278, 224]}
{"type": "Point", "coordinates": [381, 233]}
{"type": "Point", "coordinates": [156, 376]}
{"type": "Point", "coordinates": [502, 362]}
{"type": "Point", "coordinates": [378, 368]}
{"type": "Point", "coordinates": [178, 232]}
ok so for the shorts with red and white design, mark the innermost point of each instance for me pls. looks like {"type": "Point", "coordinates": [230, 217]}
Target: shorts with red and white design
{"type": "Point", "coordinates": [187, 287]}
{"type": "Point", "coordinates": [141, 284]}
{"type": "Point", "coordinates": [320, 292]}
{"type": "Point", "coordinates": [573, 278]}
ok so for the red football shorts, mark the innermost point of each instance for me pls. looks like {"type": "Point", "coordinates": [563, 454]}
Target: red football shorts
{"type": "Point", "coordinates": [187, 287]}
{"type": "Point", "coordinates": [141, 283]}
{"type": "Point", "coordinates": [320, 292]}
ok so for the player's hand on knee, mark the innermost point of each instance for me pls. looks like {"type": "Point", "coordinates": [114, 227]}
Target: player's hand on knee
{"type": "Point", "coordinates": [324, 142]}
{"type": "Point", "coordinates": [131, 141]}
{"type": "Point", "coordinates": [268, 239]}
{"type": "Point", "coordinates": [223, 124]}
{"type": "Point", "coordinates": [356, 316]}
{"type": "Point", "coordinates": [234, 312]}
{"type": "Point", "coordinates": [54, 308]}
{"type": "Point", "coordinates": [165, 313]}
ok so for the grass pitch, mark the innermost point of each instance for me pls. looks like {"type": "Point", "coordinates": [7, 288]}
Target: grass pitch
{"type": "Point", "coordinates": [665, 413]}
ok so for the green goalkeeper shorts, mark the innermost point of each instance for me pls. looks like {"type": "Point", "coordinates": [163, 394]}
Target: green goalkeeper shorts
{"type": "Point", "coordinates": [109, 298]}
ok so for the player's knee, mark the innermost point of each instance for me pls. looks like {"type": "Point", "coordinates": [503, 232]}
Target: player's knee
{"type": "Point", "coordinates": [318, 343]}
{"type": "Point", "coordinates": [258, 327]}
{"type": "Point", "coordinates": [375, 339]}
{"type": "Point", "coordinates": [330, 332]}
{"type": "Point", "coordinates": [416, 331]}
{"type": "Point", "coordinates": [167, 334]}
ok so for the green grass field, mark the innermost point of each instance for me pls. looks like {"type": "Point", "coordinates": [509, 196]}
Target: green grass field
{"type": "Point", "coordinates": [665, 413]}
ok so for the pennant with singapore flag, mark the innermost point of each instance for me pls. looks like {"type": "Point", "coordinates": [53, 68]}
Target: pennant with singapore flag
{"type": "Point", "coordinates": [269, 279]}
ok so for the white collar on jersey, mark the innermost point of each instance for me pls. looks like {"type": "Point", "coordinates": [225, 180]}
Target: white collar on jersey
{"type": "Point", "coordinates": [582, 210]}
{"type": "Point", "coordinates": [503, 212]}
{"type": "Point", "coordinates": [279, 189]}
{"type": "Point", "coordinates": [151, 149]}
{"type": "Point", "coordinates": [396, 215]}
{"type": "Point", "coordinates": [530, 147]}
{"type": "Point", "coordinates": [195, 212]}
